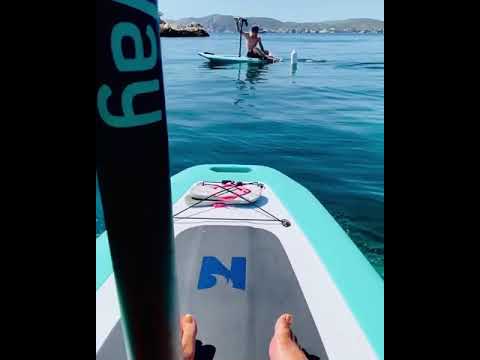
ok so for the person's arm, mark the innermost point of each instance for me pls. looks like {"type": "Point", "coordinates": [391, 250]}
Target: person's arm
{"type": "Point", "coordinates": [261, 45]}
{"type": "Point", "coordinates": [246, 35]}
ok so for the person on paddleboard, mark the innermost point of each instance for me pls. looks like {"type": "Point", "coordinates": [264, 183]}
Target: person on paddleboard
{"type": "Point", "coordinates": [255, 47]}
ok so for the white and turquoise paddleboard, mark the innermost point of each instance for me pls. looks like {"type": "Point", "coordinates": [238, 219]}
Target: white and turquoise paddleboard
{"type": "Point", "coordinates": [232, 59]}
{"type": "Point", "coordinates": [239, 267]}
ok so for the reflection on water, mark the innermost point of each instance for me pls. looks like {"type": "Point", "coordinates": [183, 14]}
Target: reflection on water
{"type": "Point", "coordinates": [293, 68]}
{"type": "Point", "coordinates": [256, 73]}
{"type": "Point", "coordinates": [247, 77]}
{"type": "Point", "coordinates": [252, 73]}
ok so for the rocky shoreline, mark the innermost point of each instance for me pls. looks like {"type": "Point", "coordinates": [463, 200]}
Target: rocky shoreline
{"type": "Point", "coordinates": [226, 24]}
{"type": "Point", "coordinates": [190, 30]}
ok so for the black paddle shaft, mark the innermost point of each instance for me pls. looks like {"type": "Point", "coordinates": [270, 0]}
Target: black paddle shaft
{"type": "Point", "coordinates": [132, 164]}
{"type": "Point", "coordinates": [240, 22]}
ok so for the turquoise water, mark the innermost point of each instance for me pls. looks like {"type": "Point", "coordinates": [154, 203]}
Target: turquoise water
{"type": "Point", "coordinates": [322, 125]}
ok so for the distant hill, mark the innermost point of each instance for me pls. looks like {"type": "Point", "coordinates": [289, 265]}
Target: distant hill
{"type": "Point", "coordinates": [226, 23]}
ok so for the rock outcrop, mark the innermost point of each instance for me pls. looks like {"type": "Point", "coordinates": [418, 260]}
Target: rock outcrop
{"type": "Point", "coordinates": [190, 30]}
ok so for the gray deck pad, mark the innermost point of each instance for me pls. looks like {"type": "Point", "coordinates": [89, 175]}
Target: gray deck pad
{"type": "Point", "coordinates": [236, 281]}
{"type": "Point", "coordinates": [114, 346]}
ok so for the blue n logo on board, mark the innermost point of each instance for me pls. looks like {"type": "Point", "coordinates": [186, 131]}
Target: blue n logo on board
{"type": "Point", "coordinates": [212, 267]}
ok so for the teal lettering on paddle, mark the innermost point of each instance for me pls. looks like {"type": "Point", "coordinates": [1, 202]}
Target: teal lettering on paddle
{"type": "Point", "coordinates": [130, 119]}
{"type": "Point", "coordinates": [139, 62]}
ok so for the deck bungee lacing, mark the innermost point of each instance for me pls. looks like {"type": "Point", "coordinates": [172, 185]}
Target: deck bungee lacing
{"type": "Point", "coordinates": [224, 189]}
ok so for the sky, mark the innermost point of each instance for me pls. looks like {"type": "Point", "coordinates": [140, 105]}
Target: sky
{"type": "Point", "coordinates": [285, 10]}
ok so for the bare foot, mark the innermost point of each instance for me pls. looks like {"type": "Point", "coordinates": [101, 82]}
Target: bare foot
{"type": "Point", "coordinates": [188, 333]}
{"type": "Point", "coordinates": [283, 345]}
